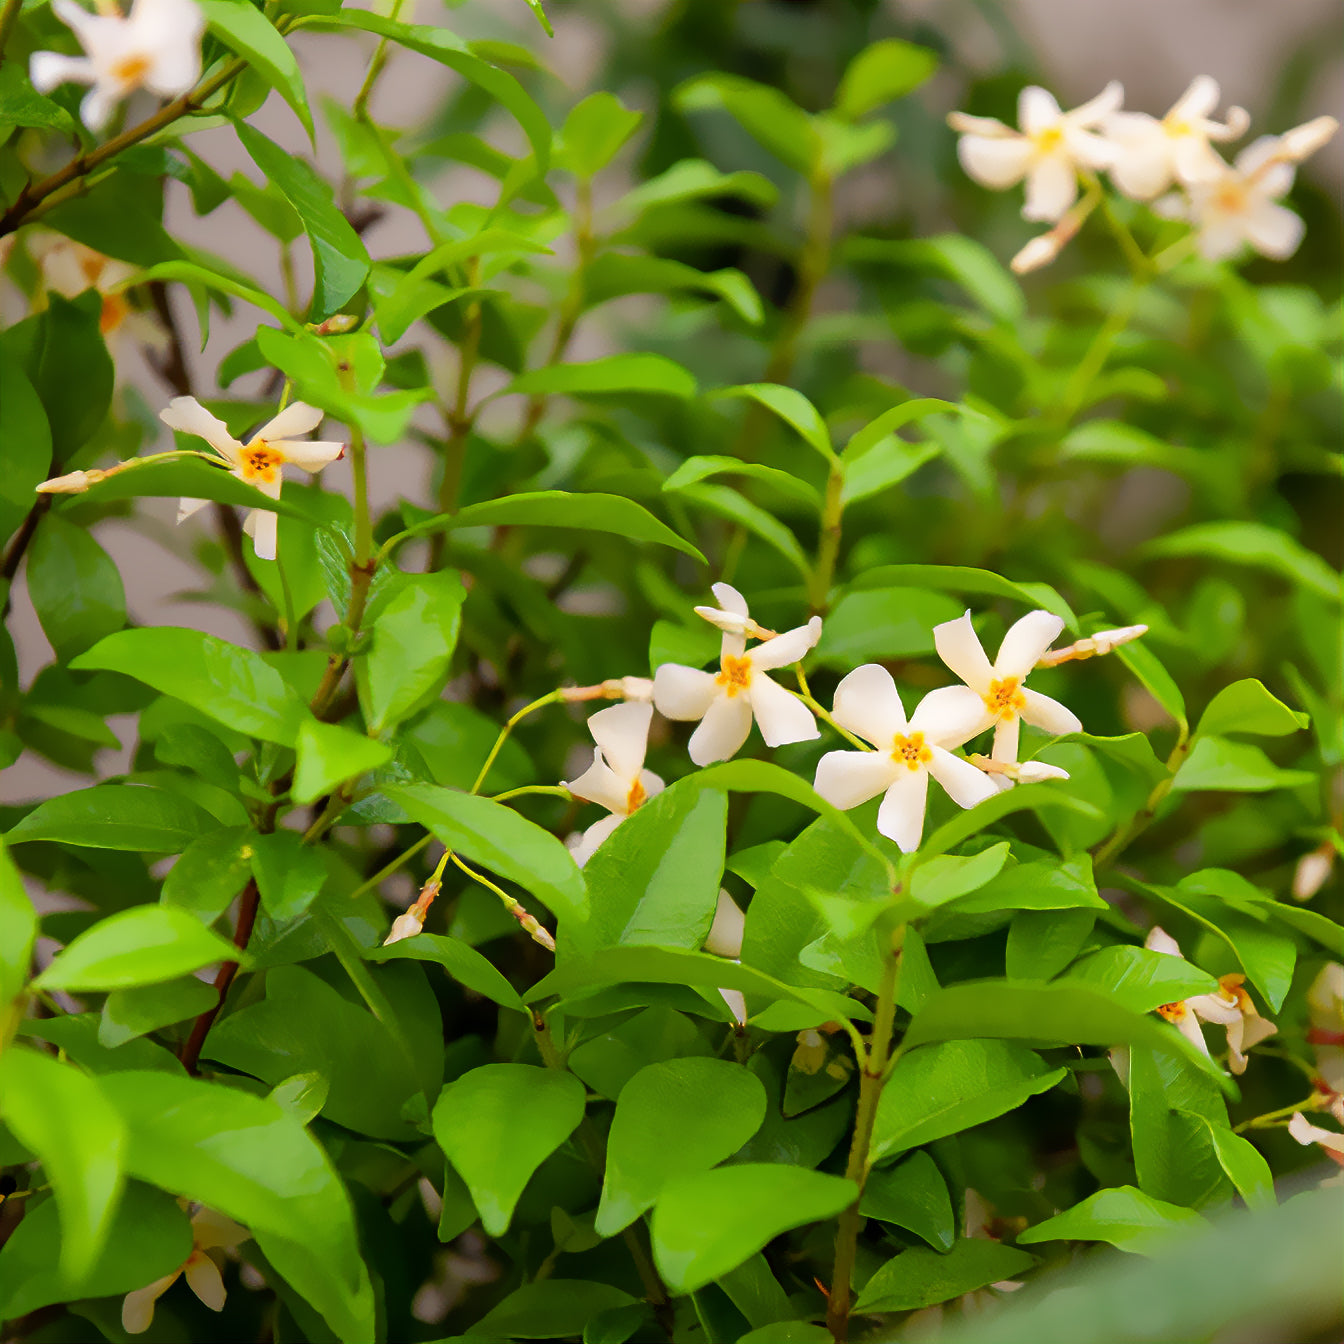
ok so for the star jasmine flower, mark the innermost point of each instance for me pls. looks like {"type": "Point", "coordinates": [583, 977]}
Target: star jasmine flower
{"type": "Point", "coordinates": [1004, 774]}
{"type": "Point", "coordinates": [1003, 701]}
{"type": "Point", "coordinates": [868, 705]}
{"type": "Point", "coordinates": [258, 461]}
{"type": "Point", "coordinates": [69, 268]}
{"type": "Point", "coordinates": [1049, 150]}
{"type": "Point", "coordinates": [617, 778]}
{"type": "Point", "coordinates": [157, 46]}
{"type": "Point", "coordinates": [209, 1231]}
{"type": "Point", "coordinates": [1306, 1133]}
{"type": "Point", "coordinates": [725, 940]}
{"type": "Point", "coordinates": [725, 702]}
{"type": "Point", "coordinates": [1151, 154]}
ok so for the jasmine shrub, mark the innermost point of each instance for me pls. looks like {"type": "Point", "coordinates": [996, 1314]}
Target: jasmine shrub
{"type": "Point", "coordinates": [766, 846]}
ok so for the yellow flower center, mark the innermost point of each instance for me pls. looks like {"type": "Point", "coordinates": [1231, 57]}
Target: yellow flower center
{"type": "Point", "coordinates": [1048, 140]}
{"type": "Point", "coordinates": [1231, 990]}
{"type": "Point", "coordinates": [734, 674]}
{"type": "Point", "coordinates": [911, 750]}
{"type": "Point", "coordinates": [1004, 699]}
{"type": "Point", "coordinates": [261, 461]}
{"type": "Point", "coordinates": [115, 311]}
{"type": "Point", "coordinates": [1173, 1012]}
{"type": "Point", "coordinates": [131, 69]}
{"type": "Point", "coordinates": [1231, 198]}
{"type": "Point", "coordinates": [635, 797]}
{"type": "Point", "coordinates": [1177, 129]}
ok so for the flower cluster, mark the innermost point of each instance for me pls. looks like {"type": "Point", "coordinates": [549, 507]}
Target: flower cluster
{"type": "Point", "coordinates": [1230, 206]}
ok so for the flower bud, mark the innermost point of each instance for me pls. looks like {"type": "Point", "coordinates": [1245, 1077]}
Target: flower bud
{"type": "Point", "coordinates": [404, 926]}
{"type": "Point", "coordinates": [725, 934]}
{"type": "Point", "coordinates": [1313, 872]}
{"type": "Point", "coordinates": [1303, 141]}
{"type": "Point", "coordinates": [72, 483]}
{"type": "Point", "coordinates": [1041, 251]}
{"type": "Point", "coordinates": [1036, 772]}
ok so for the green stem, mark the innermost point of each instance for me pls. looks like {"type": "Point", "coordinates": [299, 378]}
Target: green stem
{"type": "Point", "coordinates": [1097, 353]}
{"type": "Point", "coordinates": [873, 1077]}
{"type": "Point", "coordinates": [550, 790]}
{"type": "Point", "coordinates": [804, 694]}
{"type": "Point", "coordinates": [9, 16]}
{"type": "Point", "coordinates": [1270, 1119]}
{"type": "Point", "coordinates": [828, 543]}
{"type": "Point", "coordinates": [388, 869]}
{"type": "Point", "coordinates": [550, 698]}
{"type": "Point", "coordinates": [291, 623]}
{"type": "Point", "coordinates": [1141, 820]}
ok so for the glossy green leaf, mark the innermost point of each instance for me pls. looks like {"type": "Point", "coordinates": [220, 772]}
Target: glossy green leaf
{"type": "Point", "coordinates": [289, 874]}
{"type": "Point", "coordinates": [1221, 766]}
{"type": "Point", "coordinates": [413, 641]}
{"type": "Point", "coordinates": [1247, 707]}
{"type": "Point", "coordinates": [74, 587]}
{"type": "Point", "coordinates": [210, 873]}
{"type": "Point", "coordinates": [1123, 1216]}
{"type": "Point", "coordinates": [634, 372]}
{"type": "Point", "coordinates": [913, 1195]}
{"type": "Point", "coordinates": [248, 32]}
{"type": "Point", "coordinates": [1142, 662]}
{"type": "Point", "coordinates": [791, 407]}
{"type": "Point", "coordinates": [1243, 1164]}
{"type": "Point", "coordinates": [961, 580]}
{"type": "Point", "coordinates": [18, 930]}
{"type": "Point", "coordinates": [947, 877]}
{"type": "Point", "coordinates": [1138, 978]}
{"type": "Point", "coordinates": [128, 1013]}
{"type": "Point", "coordinates": [329, 755]}
{"type": "Point", "coordinates": [673, 1119]}
{"type": "Point", "coordinates": [921, 1277]}
{"type": "Point", "coordinates": [25, 442]}
{"type": "Point", "coordinates": [496, 836]}
{"type": "Point", "coordinates": [250, 1159]}
{"type": "Point", "coordinates": [230, 684]}
{"type": "Point", "coordinates": [139, 946]}
{"type": "Point", "coordinates": [464, 963]}
{"type": "Point", "coordinates": [63, 1116]}
{"type": "Point", "coordinates": [498, 1124]}
{"type": "Point", "coordinates": [190, 273]}
{"type": "Point", "coordinates": [695, 469]}
{"type": "Point", "coordinates": [550, 1309]}
{"type": "Point", "coordinates": [116, 816]}
{"type": "Point", "coordinates": [729, 503]}
{"type": "Point", "coordinates": [881, 73]}
{"type": "Point", "coordinates": [594, 132]}
{"type": "Point", "coordinates": [707, 1224]}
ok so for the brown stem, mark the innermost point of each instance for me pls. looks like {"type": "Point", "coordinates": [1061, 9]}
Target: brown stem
{"type": "Point", "coordinates": [19, 543]}
{"type": "Point", "coordinates": [247, 917]}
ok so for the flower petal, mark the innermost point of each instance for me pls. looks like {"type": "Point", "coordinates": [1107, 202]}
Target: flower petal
{"type": "Point", "coordinates": [1097, 109]}
{"type": "Point", "coordinates": [1159, 940]}
{"type": "Point", "coordinates": [600, 784]}
{"type": "Point", "coordinates": [730, 599]}
{"type": "Point", "coordinates": [310, 454]}
{"type": "Point", "coordinates": [1049, 715]}
{"type": "Point", "coordinates": [1195, 161]}
{"type": "Point", "coordinates": [296, 419]}
{"type": "Point", "coordinates": [175, 68]}
{"type": "Point", "coordinates": [186, 507]}
{"type": "Point", "coordinates": [205, 1280]}
{"type": "Point", "coordinates": [1273, 230]}
{"type": "Point", "coordinates": [960, 649]}
{"type": "Point", "coordinates": [1025, 642]}
{"type": "Point", "coordinates": [190, 417]}
{"type": "Point", "coordinates": [261, 525]}
{"type": "Point", "coordinates": [1037, 109]}
{"type": "Point", "coordinates": [137, 1310]}
{"type": "Point", "coordinates": [847, 778]}
{"type": "Point", "coordinates": [722, 731]}
{"type": "Point", "coordinates": [585, 846]}
{"type": "Point", "coordinates": [1142, 167]}
{"type": "Point", "coordinates": [966, 124]}
{"type": "Point", "coordinates": [901, 816]}
{"type": "Point", "coordinates": [96, 109]}
{"type": "Point", "coordinates": [1305, 1132]}
{"type": "Point", "coordinates": [787, 648]}
{"type": "Point", "coordinates": [725, 934]}
{"type": "Point", "coordinates": [781, 717]}
{"type": "Point", "coordinates": [963, 783]}
{"type": "Point", "coordinates": [1006, 735]}
{"type": "Point", "coordinates": [682, 692]}
{"type": "Point", "coordinates": [951, 715]}
{"type": "Point", "coordinates": [868, 705]}
{"type": "Point", "coordinates": [47, 69]}
{"type": "Point", "coordinates": [1198, 101]}
{"type": "Point", "coordinates": [622, 731]}
{"type": "Point", "coordinates": [1052, 187]}
{"type": "Point", "coordinates": [994, 162]}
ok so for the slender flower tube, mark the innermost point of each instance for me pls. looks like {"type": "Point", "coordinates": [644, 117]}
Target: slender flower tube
{"type": "Point", "coordinates": [868, 705]}
{"type": "Point", "coordinates": [258, 461]}
{"type": "Point", "coordinates": [1150, 154]}
{"type": "Point", "coordinates": [616, 779]}
{"type": "Point", "coordinates": [726, 702]}
{"type": "Point", "coordinates": [1049, 150]}
{"type": "Point", "coordinates": [997, 689]}
{"type": "Point", "coordinates": [157, 46]}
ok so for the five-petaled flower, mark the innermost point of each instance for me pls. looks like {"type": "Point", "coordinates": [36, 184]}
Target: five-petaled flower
{"type": "Point", "coordinates": [617, 778]}
{"type": "Point", "coordinates": [69, 268]}
{"type": "Point", "coordinates": [997, 690]}
{"type": "Point", "coordinates": [726, 701]}
{"type": "Point", "coordinates": [157, 46]}
{"type": "Point", "coordinates": [209, 1231]}
{"type": "Point", "coordinates": [868, 705]}
{"type": "Point", "coordinates": [1049, 149]}
{"type": "Point", "coordinates": [1151, 154]}
{"type": "Point", "coordinates": [258, 461]}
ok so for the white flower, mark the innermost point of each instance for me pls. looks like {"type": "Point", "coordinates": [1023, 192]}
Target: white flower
{"type": "Point", "coordinates": [157, 46]}
{"type": "Point", "coordinates": [209, 1231]}
{"type": "Point", "coordinates": [1004, 774]}
{"type": "Point", "coordinates": [1048, 151]}
{"type": "Point", "coordinates": [69, 268]}
{"type": "Point", "coordinates": [1305, 1132]}
{"type": "Point", "coordinates": [1229, 1006]}
{"type": "Point", "coordinates": [725, 940]}
{"type": "Point", "coordinates": [258, 461]}
{"type": "Point", "coordinates": [617, 778]}
{"type": "Point", "coordinates": [868, 705]}
{"type": "Point", "coordinates": [726, 702]}
{"type": "Point", "coordinates": [1312, 872]}
{"type": "Point", "coordinates": [1151, 154]}
{"type": "Point", "coordinates": [1239, 206]}
{"type": "Point", "coordinates": [404, 926]}
{"type": "Point", "coordinates": [998, 689]}
{"type": "Point", "coordinates": [1325, 1010]}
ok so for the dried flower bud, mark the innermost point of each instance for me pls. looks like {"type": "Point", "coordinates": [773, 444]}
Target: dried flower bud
{"type": "Point", "coordinates": [404, 926]}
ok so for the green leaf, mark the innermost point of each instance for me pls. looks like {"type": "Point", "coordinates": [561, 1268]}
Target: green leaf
{"type": "Point", "coordinates": [1140, 979]}
{"type": "Point", "coordinates": [695, 469]}
{"type": "Point", "coordinates": [18, 930]}
{"type": "Point", "coordinates": [1028, 798]}
{"type": "Point", "coordinates": [672, 1119]}
{"type": "Point", "coordinates": [413, 641]}
{"type": "Point", "coordinates": [463, 962]}
{"type": "Point", "coordinates": [1142, 662]}
{"type": "Point", "coordinates": [116, 816]}
{"type": "Point", "coordinates": [139, 946]}
{"type": "Point", "coordinates": [550, 1309]}
{"type": "Point", "coordinates": [25, 441]}
{"type": "Point", "coordinates": [766, 114]}
{"type": "Point", "coordinates": [728, 503]}
{"type": "Point", "coordinates": [881, 73]}
{"type": "Point", "coordinates": [1243, 1164]}
{"type": "Point", "coordinates": [498, 1124]}
{"type": "Point", "coordinates": [1256, 546]}
{"type": "Point", "coordinates": [210, 873]}
{"type": "Point", "coordinates": [658, 873]}
{"type": "Point", "coordinates": [607, 1062]}
{"type": "Point", "coordinates": [707, 1224]}
{"type": "Point", "coordinates": [63, 1116]}
{"type": "Point", "coordinates": [947, 877]}
{"type": "Point", "coordinates": [289, 873]}
{"type": "Point", "coordinates": [536, 7]}
{"type": "Point", "coordinates": [1217, 765]}
{"type": "Point", "coordinates": [953, 1086]}
{"type": "Point", "coordinates": [912, 1195]}
{"type": "Point", "coordinates": [74, 587]}
{"type": "Point", "coordinates": [329, 755]}
{"type": "Point", "coordinates": [558, 508]}
{"type": "Point", "coordinates": [1247, 707]}
{"type": "Point", "coordinates": [499, 838]}
{"type": "Point", "coordinates": [960, 259]}
{"type": "Point", "coordinates": [921, 1277]}
{"type": "Point", "coordinates": [634, 372]}
{"type": "Point", "coordinates": [246, 31]}
{"type": "Point", "coordinates": [886, 463]}
{"type": "Point", "coordinates": [593, 132]}
{"type": "Point", "coordinates": [22, 105]}
{"type": "Point", "coordinates": [250, 1159]}
{"type": "Point", "coordinates": [128, 1013]}
{"type": "Point", "coordinates": [1037, 886]}
{"type": "Point", "coordinates": [791, 407]}
{"type": "Point", "coordinates": [961, 580]}
{"type": "Point", "coordinates": [448, 49]}
{"type": "Point", "coordinates": [229, 684]}
{"type": "Point", "coordinates": [190, 273]}
{"type": "Point", "coordinates": [1123, 1216]}
{"type": "Point", "coordinates": [340, 259]}
{"type": "Point", "coordinates": [614, 274]}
